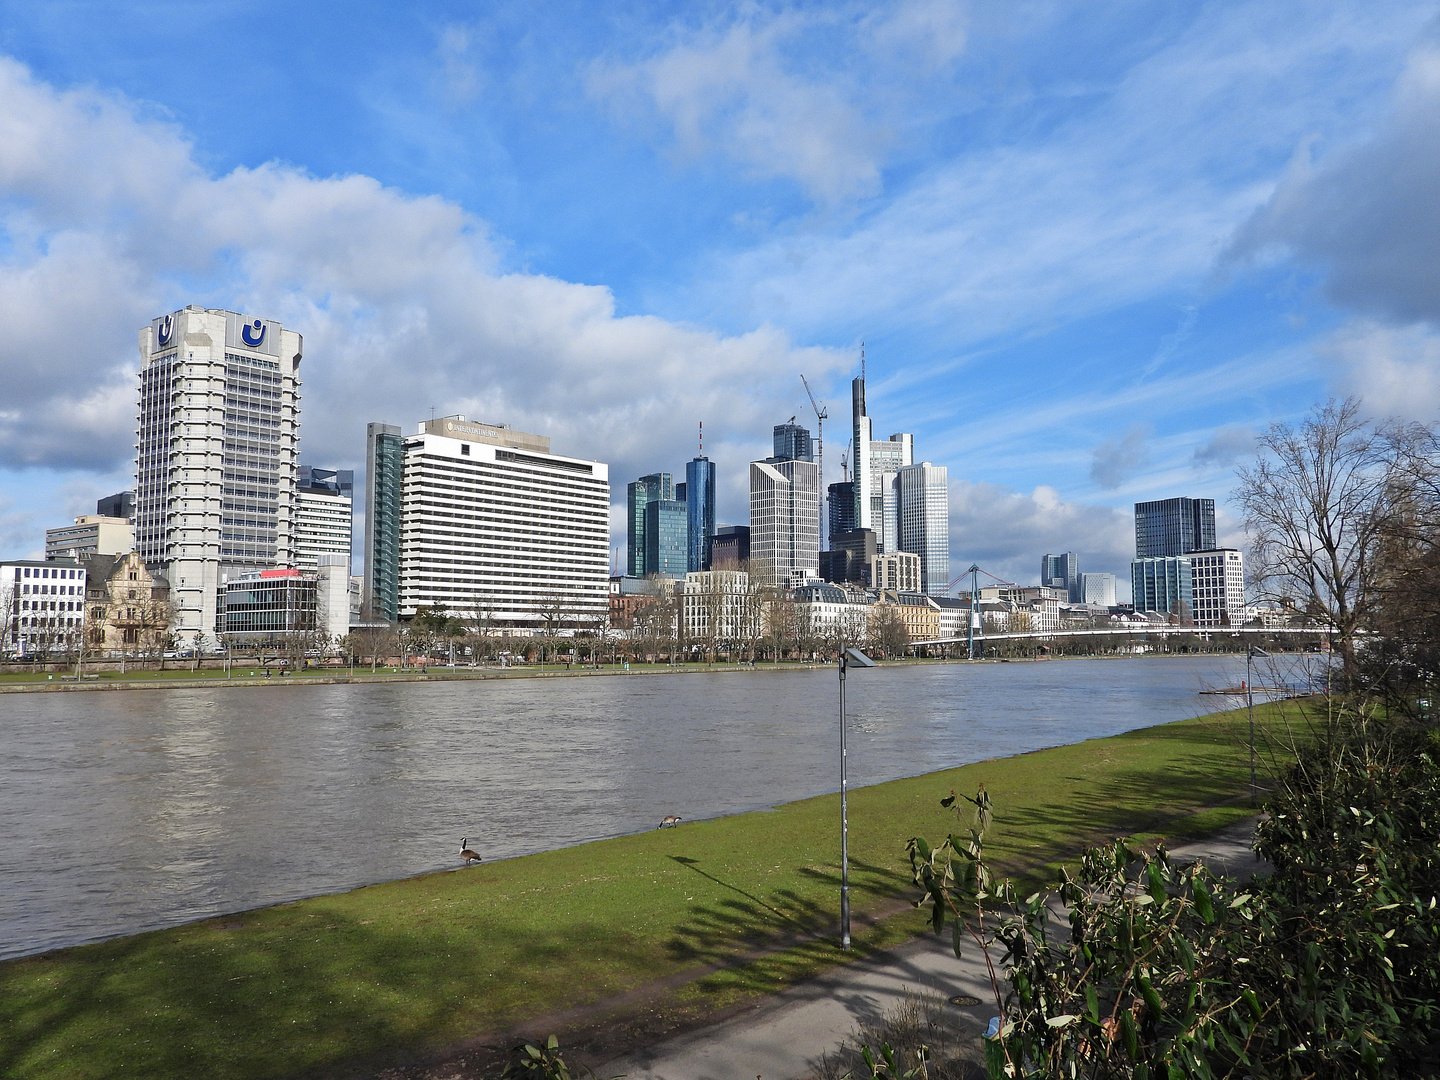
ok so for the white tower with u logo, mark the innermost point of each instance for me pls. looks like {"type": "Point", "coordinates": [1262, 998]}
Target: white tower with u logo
{"type": "Point", "coordinates": [217, 442]}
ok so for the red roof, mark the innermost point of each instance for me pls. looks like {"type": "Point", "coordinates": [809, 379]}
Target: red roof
{"type": "Point", "coordinates": [279, 573]}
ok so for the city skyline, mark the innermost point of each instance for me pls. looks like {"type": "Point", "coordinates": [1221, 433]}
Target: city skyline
{"type": "Point", "coordinates": [1124, 292]}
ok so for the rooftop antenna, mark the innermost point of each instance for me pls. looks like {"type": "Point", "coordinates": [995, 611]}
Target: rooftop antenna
{"type": "Point", "coordinates": [862, 361]}
{"type": "Point", "coordinates": [702, 438]}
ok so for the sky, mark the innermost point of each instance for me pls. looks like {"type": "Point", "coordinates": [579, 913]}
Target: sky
{"type": "Point", "coordinates": [1091, 249]}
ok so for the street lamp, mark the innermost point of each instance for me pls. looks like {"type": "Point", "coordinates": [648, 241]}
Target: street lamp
{"type": "Point", "coordinates": [859, 659]}
{"type": "Point", "coordinates": [1250, 654]}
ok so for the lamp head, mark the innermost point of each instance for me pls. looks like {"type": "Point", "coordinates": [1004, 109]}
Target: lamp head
{"type": "Point", "coordinates": [1255, 650]}
{"type": "Point", "coordinates": [856, 658]}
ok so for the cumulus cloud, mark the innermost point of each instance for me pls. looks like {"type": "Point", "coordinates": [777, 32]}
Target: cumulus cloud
{"type": "Point", "coordinates": [1369, 214]}
{"type": "Point", "coordinates": [1227, 446]}
{"type": "Point", "coordinates": [106, 219]}
{"type": "Point", "coordinates": [1116, 460]}
{"type": "Point", "coordinates": [1007, 531]}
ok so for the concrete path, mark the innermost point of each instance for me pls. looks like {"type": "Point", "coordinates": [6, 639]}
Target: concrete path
{"type": "Point", "coordinates": [783, 1037]}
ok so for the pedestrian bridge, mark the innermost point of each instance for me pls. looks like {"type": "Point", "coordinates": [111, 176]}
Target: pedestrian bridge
{"type": "Point", "coordinates": [1157, 630]}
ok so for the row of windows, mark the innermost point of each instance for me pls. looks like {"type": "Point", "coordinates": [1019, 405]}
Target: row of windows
{"type": "Point", "coordinates": [51, 605]}
{"type": "Point", "coordinates": [58, 573]}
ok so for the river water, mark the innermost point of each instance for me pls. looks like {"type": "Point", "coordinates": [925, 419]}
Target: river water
{"type": "Point", "coordinates": [132, 810]}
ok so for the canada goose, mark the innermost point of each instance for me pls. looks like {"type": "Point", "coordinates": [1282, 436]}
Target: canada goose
{"type": "Point", "coordinates": [466, 853]}
{"type": "Point", "coordinates": [670, 819]}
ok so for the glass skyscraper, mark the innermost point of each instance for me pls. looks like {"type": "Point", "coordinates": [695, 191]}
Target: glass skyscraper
{"type": "Point", "coordinates": [793, 443]}
{"type": "Point", "coordinates": [384, 474]}
{"type": "Point", "coordinates": [1062, 572]}
{"type": "Point", "coordinates": [924, 513]}
{"type": "Point", "coordinates": [699, 511]}
{"type": "Point", "coordinates": [666, 538]}
{"type": "Point", "coordinates": [1174, 527]}
{"type": "Point", "coordinates": [1163, 584]}
{"type": "Point", "coordinates": [784, 520]}
{"type": "Point", "coordinates": [650, 488]}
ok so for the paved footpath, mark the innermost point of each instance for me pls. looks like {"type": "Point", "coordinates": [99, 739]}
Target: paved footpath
{"type": "Point", "coordinates": [782, 1037]}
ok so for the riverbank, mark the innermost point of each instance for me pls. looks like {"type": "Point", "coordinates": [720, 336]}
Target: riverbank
{"type": "Point", "coordinates": [253, 675]}
{"type": "Point", "coordinates": [625, 939]}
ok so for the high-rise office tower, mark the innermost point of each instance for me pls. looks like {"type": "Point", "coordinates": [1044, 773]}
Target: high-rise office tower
{"type": "Point", "coordinates": [1097, 589]}
{"type": "Point", "coordinates": [667, 538]}
{"type": "Point", "coordinates": [699, 511]}
{"type": "Point", "coordinates": [1163, 583]}
{"type": "Point", "coordinates": [384, 471]}
{"type": "Point", "coordinates": [650, 488]}
{"type": "Point", "coordinates": [216, 438]}
{"type": "Point", "coordinates": [873, 459]}
{"type": "Point", "coordinates": [496, 528]}
{"type": "Point", "coordinates": [793, 443]}
{"type": "Point", "coordinates": [1062, 572]}
{"type": "Point", "coordinates": [119, 505]}
{"type": "Point", "coordinates": [784, 521]}
{"type": "Point", "coordinates": [324, 514]}
{"type": "Point", "coordinates": [924, 500]}
{"type": "Point", "coordinates": [1174, 527]}
{"type": "Point", "coordinates": [1217, 587]}
{"type": "Point", "coordinates": [842, 509]}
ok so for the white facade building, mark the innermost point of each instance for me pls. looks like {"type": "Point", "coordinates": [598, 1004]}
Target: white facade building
{"type": "Point", "coordinates": [42, 607]}
{"type": "Point", "coordinates": [1217, 584]}
{"type": "Point", "coordinates": [216, 444]}
{"type": "Point", "coordinates": [831, 613]}
{"type": "Point", "coordinates": [1097, 589]}
{"type": "Point", "coordinates": [784, 521]}
{"type": "Point", "coordinates": [876, 460]}
{"type": "Point", "coordinates": [716, 606]}
{"type": "Point", "coordinates": [897, 571]}
{"type": "Point", "coordinates": [323, 522]}
{"type": "Point", "coordinates": [91, 534]}
{"type": "Point", "coordinates": [518, 536]}
{"type": "Point", "coordinates": [924, 509]}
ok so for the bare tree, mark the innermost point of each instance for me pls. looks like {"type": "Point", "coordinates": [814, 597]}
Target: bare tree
{"type": "Point", "coordinates": [1316, 504]}
{"type": "Point", "coordinates": [887, 630]}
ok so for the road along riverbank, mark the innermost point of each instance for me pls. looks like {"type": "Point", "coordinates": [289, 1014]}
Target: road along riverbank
{"type": "Point", "coordinates": [616, 942]}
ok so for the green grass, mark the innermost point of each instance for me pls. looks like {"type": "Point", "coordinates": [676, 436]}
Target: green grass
{"type": "Point", "coordinates": [428, 961]}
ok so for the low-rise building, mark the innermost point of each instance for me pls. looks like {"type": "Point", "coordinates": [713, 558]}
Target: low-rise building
{"type": "Point", "coordinates": [896, 571]}
{"type": "Point", "coordinates": [42, 607]}
{"type": "Point", "coordinates": [274, 606]}
{"type": "Point", "coordinates": [716, 607]}
{"type": "Point", "coordinates": [832, 613]}
{"type": "Point", "coordinates": [127, 607]}
{"type": "Point", "coordinates": [920, 613]}
{"type": "Point", "coordinates": [92, 534]}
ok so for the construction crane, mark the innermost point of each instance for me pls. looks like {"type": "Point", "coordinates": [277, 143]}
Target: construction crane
{"type": "Point", "coordinates": [821, 415]}
{"type": "Point", "coordinates": [845, 462]}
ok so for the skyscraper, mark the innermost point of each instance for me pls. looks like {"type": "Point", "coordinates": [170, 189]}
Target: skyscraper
{"type": "Point", "coordinates": [217, 435]}
{"type": "Point", "coordinates": [1163, 583]}
{"type": "Point", "coordinates": [924, 500]}
{"type": "Point", "coordinates": [842, 509]}
{"type": "Point", "coordinates": [784, 520]}
{"type": "Point", "coordinates": [649, 488]}
{"type": "Point", "coordinates": [1062, 572]}
{"type": "Point", "coordinates": [793, 443]}
{"type": "Point", "coordinates": [873, 459]}
{"type": "Point", "coordinates": [699, 511]}
{"type": "Point", "coordinates": [667, 535]}
{"type": "Point", "coordinates": [384, 473]}
{"type": "Point", "coordinates": [1174, 527]}
{"type": "Point", "coordinates": [324, 514]}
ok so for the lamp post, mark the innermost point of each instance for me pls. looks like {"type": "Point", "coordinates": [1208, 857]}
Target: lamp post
{"type": "Point", "coordinates": [1250, 653]}
{"type": "Point", "coordinates": [859, 659]}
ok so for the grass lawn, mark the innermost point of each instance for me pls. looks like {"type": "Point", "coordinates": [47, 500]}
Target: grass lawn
{"type": "Point", "coordinates": [429, 961]}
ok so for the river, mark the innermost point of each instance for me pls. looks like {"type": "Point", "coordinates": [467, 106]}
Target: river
{"type": "Point", "coordinates": [132, 810]}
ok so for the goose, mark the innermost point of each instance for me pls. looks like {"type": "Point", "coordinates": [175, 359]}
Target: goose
{"type": "Point", "coordinates": [466, 853]}
{"type": "Point", "coordinates": [670, 820]}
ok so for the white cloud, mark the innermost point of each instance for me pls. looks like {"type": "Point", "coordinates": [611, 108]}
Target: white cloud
{"type": "Point", "coordinates": [1005, 532]}
{"type": "Point", "coordinates": [1225, 447]}
{"type": "Point", "coordinates": [737, 89]}
{"type": "Point", "coordinates": [1394, 369]}
{"type": "Point", "coordinates": [106, 220]}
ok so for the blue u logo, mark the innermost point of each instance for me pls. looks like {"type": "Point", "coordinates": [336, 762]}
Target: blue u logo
{"type": "Point", "coordinates": [167, 327]}
{"type": "Point", "coordinates": [253, 333]}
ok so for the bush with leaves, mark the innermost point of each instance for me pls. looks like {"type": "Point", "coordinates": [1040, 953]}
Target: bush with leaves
{"type": "Point", "coordinates": [1139, 968]}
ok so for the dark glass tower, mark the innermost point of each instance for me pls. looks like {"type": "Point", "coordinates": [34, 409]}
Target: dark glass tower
{"type": "Point", "coordinates": [699, 511]}
{"type": "Point", "coordinates": [793, 443]}
{"type": "Point", "coordinates": [652, 487]}
{"type": "Point", "coordinates": [1174, 527]}
{"type": "Point", "coordinates": [384, 469]}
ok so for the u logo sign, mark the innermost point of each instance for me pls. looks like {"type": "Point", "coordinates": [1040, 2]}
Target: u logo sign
{"type": "Point", "coordinates": [253, 333]}
{"type": "Point", "coordinates": [167, 327]}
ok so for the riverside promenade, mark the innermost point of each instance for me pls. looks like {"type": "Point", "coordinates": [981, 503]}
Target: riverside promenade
{"type": "Point", "coordinates": [783, 1037]}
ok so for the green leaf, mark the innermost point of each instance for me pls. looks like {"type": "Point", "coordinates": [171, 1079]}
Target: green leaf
{"type": "Point", "coordinates": [1157, 883]}
{"type": "Point", "coordinates": [1061, 1021]}
{"type": "Point", "coordinates": [1152, 997]}
{"type": "Point", "coordinates": [955, 934]}
{"type": "Point", "coordinates": [1203, 905]}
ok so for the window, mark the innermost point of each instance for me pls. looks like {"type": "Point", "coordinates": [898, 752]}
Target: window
{"type": "Point", "coordinates": [464, 449]}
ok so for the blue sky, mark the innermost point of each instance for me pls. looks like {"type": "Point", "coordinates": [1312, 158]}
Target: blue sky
{"type": "Point", "coordinates": [1091, 248]}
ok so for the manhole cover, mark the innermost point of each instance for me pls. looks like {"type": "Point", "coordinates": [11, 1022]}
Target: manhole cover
{"type": "Point", "coordinates": [964, 999]}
